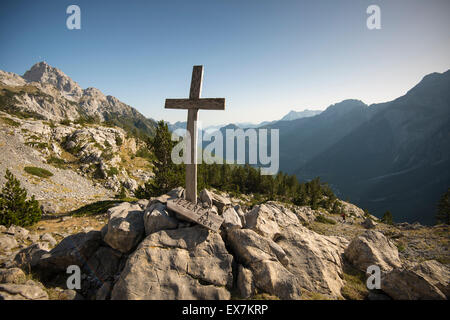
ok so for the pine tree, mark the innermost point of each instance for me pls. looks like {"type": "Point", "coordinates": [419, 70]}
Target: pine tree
{"type": "Point", "coordinates": [443, 214]}
{"type": "Point", "coordinates": [168, 175]}
{"type": "Point", "coordinates": [336, 209]}
{"type": "Point", "coordinates": [387, 218]}
{"type": "Point", "coordinates": [14, 206]}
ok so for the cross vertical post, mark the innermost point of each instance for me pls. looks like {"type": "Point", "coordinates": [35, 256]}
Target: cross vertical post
{"type": "Point", "coordinates": [193, 104]}
{"type": "Point", "coordinates": [191, 168]}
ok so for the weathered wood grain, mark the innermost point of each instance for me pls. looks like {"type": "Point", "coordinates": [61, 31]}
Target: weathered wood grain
{"type": "Point", "coordinates": [203, 103]}
{"type": "Point", "coordinates": [191, 167]}
{"type": "Point", "coordinates": [196, 213]}
{"type": "Point", "coordinates": [196, 82]}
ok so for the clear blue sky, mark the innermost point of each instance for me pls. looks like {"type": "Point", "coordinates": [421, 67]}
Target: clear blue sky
{"type": "Point", "coordinates": [264, 57]}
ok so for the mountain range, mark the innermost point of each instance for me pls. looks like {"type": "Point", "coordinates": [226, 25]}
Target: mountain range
{"type": "Point", "coordinates": [391, 156]}
{"type": "Point", "coordinates": [386, 156]}
{"type": "Point", "coordinates": [292, 115]}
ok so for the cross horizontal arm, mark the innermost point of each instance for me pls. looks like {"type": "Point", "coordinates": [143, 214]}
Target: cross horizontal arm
{"type": "Point", "coordinates": [203, 103]}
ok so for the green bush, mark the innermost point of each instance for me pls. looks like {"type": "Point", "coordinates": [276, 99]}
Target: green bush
{"type": "Point", "coordinates": [113, 171]}
{"type": "Point", "coordinates": [40, 172]}
{"type": "Point", "coordinates": [119, 141]}
{"type": "Point", "coordinates": [387, 218]}
{"type": "Point", "coordinates": [14, 206]}
{"type": "Point", "coordinates": [122, 193]}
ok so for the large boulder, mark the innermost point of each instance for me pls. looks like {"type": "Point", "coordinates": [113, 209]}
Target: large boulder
{"type": "Point", "coordinates": [373, 248]}
{"type": "Point", "coordinates": [186, 263]}
{"type": "Point", "coordinates": [28, 291]}
{"type": "Point", "coordinates": [267, 261]}
{"type": "Point", "coordinates": [316, 260]}
{"type": "Point", "coordinates": [266, 219]}
{"type": "Point", "coordinates": [125, 227]}
{"type": "Point", "coordinates": [76, 249]}
{"type": "Point", "coordinates": [157, 217]}
{"type": "Point", "coordinates": [428, 280]}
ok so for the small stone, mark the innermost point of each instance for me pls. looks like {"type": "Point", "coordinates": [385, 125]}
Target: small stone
{"type": "Point", "coordinates": [12, 275]}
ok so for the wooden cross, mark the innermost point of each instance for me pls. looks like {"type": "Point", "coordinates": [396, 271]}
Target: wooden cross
{"type": "Point", "coordinates": [193, 104]}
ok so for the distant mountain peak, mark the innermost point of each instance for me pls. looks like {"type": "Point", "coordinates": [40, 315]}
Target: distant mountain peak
{"type": "Point", "coordinates": [46, 74]}
{"type": "Point", "coordinates": [345, 106]}
{"type": "Point", "coordinates": [293, 115]}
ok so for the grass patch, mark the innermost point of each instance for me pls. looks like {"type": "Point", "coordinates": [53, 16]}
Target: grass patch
{"type": "Point", "coordinates": [40, 172]}
{"type": "Point", "coordinates": [323, 219]}
{"type": "Point", "coordinates": [57, 162]}
{"type": "Point", "coordinates": [401, 247]}
{"type": "Point", "coordinates": [37, 144]}
{"type": "Point", "coordinates": [10, 122]}
{"type": "Point", "coordinates": [355, 284]}
{"type": "Point", "coordinates": [95, 208]}
{"type": "Point", "coordinates": [307, 295]}
{"type": "Point", "coordinates": [112, 171]}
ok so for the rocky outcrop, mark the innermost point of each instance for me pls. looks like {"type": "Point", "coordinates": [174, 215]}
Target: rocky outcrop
{"type": "Point", "coordinates": [146, 252]}
{"type": "Point", "coordinates": [428, 280]}
{"type": "Point", "coordinates": [125, 227]}
{"type": "Point", "coordinates": [187, 263]}
{"type": "Point", "coordinates": [369, 223]}
{"type": "Point", "coordinates": [351, 210]}
{"type": "Point", "coordinates": [373, 248]}
{"type": "Point", "coordinates": [267, 219]}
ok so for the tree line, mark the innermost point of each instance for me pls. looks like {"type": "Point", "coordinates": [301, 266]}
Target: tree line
{"type": "Point", "coordinates": [234, 179]}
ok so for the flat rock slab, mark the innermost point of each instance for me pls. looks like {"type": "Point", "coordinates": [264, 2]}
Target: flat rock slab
{"type": "Point", "coordinates": [196, 213]}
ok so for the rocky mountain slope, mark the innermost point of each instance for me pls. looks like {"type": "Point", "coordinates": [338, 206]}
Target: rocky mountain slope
{"type": "Point", "coordinates": [395, 158]}
{"type": "Point", "coordinates": [86, 162]}
{"type": "Point", "coordinates": [47, 93]}
{"type": "Point", "coordinates": [142, 250]}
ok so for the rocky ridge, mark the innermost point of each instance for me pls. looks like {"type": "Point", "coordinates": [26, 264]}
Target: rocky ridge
{"type": "Point", "coordinates": [145, 251]}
